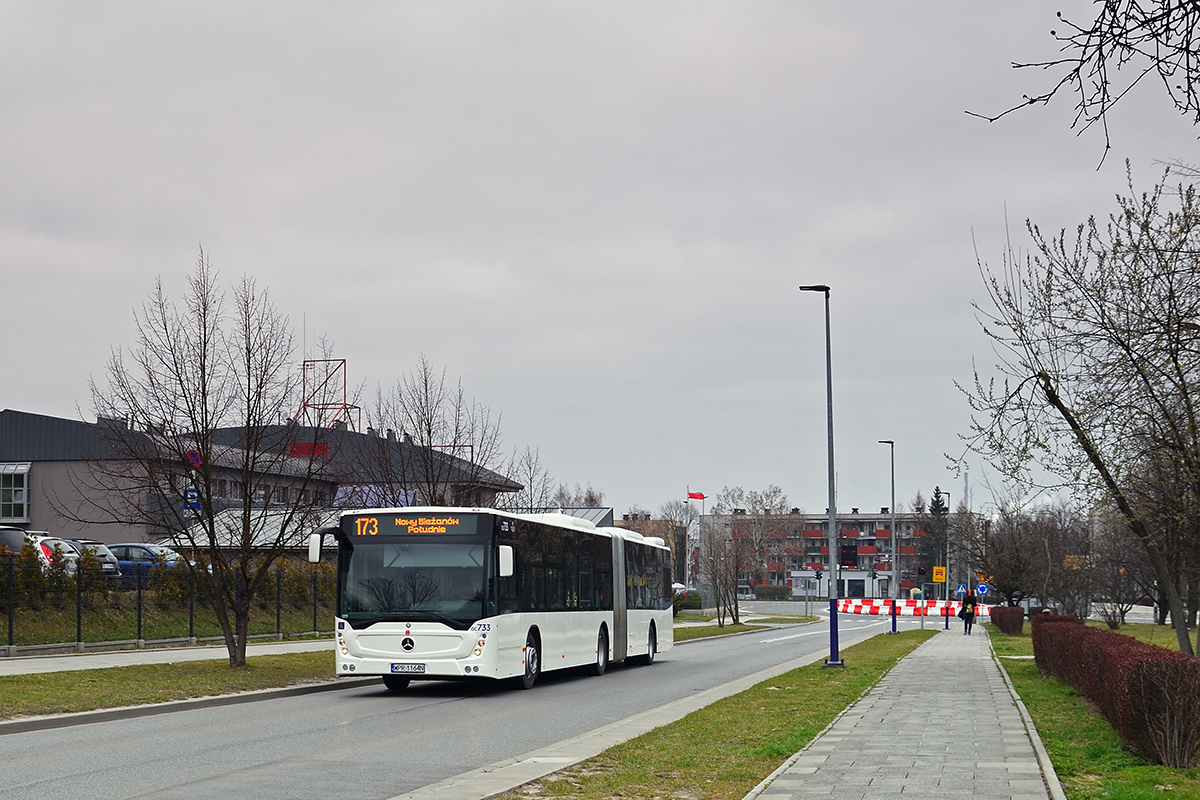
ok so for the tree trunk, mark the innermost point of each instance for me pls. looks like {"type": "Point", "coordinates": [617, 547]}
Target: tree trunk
{"type": "Point", "coordinates": [1161, 570]}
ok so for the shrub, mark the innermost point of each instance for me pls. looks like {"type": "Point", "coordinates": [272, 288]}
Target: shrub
{"type": "Point", "coordinates": [297, 582]}
{"type": "Point", "coordinates": [1150, 695]}
{"type": "Point", "coordinates": [170, 586]}
{"type": "Point", "coordinates": [771, 592]}
{"type": "Point", "coordinates": [58, 582]}
{"type": "Point", "coordinates": [682, 600]}
{"type": "Point", "coordinates": [1009, 619]}
{"type": "Point", "coordinates": [93, 583]}
{"type": "Point", "coordinates": [28, 579]}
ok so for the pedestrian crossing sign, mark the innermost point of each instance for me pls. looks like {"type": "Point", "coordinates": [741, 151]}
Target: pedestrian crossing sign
{"type": "Point", "coordinates": [961, 589]}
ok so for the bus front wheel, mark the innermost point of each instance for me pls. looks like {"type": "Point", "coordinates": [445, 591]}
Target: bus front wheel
{"type": "Point", "coordinates": [601, 652]}
{"type": "Point", "coordinates": [533, 662]}
{"type": "Point", "coordinates": [395, 683]}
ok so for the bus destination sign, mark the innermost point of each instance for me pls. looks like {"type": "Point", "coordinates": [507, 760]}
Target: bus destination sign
{"type": "Point", "coordinates": [413, 525]}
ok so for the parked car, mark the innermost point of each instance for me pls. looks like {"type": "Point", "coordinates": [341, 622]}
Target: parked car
{"type": "Point", "coordinates": [51, 547]}
{"type": "Point", "coordinates": [11, 540]}
{"type": "Point", "coordinates": [108, 562]}
{"type": "Point", "coordinates": [136, 558]}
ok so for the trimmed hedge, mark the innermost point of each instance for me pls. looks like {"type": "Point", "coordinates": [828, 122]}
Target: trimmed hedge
{"type": "Point", "coordinates": [1150, 695]}
{"type": "Point", "coordinates": [772, 592]}
{"type": "Point", "coordinates": [1009, 619]}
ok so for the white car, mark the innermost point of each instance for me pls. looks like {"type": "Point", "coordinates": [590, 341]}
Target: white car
{"type": "Point", "coordinates": [48, 546]}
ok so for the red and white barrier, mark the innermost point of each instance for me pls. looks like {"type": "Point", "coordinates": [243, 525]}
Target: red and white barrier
{"type": "Point", "coordinates": [905, 608]}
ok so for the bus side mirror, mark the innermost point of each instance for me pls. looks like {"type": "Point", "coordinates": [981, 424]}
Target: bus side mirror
{"type": "Point", "coordinates": [314, 548]}
{"type": "Point", "coordinates": [506, 561]}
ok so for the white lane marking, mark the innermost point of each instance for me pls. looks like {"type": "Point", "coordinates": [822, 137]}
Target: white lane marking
{"type": "Point", "coordinates": [826, 631]}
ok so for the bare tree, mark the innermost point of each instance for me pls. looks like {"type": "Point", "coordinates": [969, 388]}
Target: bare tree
{"type": "Point", "coordinates": [1104, 58]}
{"type": "Point", "coordinates": [1123, 574]}
{"type": "Point", "coordinates": [443, 448]}
{"type": "Point", "coordinates": [1007, 557]}
{"type": "Point", "coordinates": [753, 519]}
{"type": "Point", "coordinates": [682, 518]}
{"type": "Point", "coordinates": [197, 371]}
{"type": "Point", "coordinates": [722, 558]}
{"type": "Point", "coordinates": [579, 497]}
{"type": "Point", "coordinates": [537, 487]}
{"type": "Point", "coordinates": [1100, 356]}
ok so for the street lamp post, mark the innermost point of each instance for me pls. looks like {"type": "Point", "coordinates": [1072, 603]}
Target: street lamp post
{"type": "Point", "coordinates": [834, 657]}
{"type": "Point", "coordinates": [894, 588]}
{"type": "Point", "coordinates": [946, 584]}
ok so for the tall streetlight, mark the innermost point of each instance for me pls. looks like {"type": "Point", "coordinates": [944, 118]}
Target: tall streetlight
{"type": "Point", "coordinates": [894, 588]}
{"type": "Point", "coordinates": [834, 657]}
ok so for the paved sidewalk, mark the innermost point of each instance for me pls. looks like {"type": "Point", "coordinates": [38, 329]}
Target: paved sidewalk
{"type": "Point", "coordinates": [942, 724]}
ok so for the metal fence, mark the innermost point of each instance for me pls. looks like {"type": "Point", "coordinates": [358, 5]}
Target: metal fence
{"type": "Point", "coordinates": [51, 611]}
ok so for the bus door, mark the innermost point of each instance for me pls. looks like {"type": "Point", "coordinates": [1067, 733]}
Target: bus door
{"type": "Point", "coordinates": [620, 634]}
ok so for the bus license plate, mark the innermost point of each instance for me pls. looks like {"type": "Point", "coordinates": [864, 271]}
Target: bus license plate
{"type": "Point", "coordinates": [408, 668]}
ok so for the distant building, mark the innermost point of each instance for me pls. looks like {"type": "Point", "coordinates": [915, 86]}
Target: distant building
{"type": "Point", "coordinates": [788, 548]}
{"type": "Point", "coordinates": [55, 472]}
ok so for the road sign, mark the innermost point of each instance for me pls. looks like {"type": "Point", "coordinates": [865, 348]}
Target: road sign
{"type": "Point", "coordinates": [981, 589]}
{"type": "Point", "coordinates": [191, 499]}
{"type": "Point", "coordinates": [939, 574]}
{"type": "Point", "coordinates": [192, 459]}
{"type": "Point", "coordinates": [961, 589]}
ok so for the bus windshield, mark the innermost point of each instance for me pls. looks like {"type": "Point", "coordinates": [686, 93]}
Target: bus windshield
{"type": "Point", "coordinates": [407, 579]}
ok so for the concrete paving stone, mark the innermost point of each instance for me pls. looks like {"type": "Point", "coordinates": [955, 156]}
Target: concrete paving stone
{"type": "Point", "coordinates": [1029, 784]}
{"type": "Point", "coordinates": [812, 759]}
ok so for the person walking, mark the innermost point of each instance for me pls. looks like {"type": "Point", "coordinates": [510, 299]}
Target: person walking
{"type": "Point", "coordinates": [967, 612]}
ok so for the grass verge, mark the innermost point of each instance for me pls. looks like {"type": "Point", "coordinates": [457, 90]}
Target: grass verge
{"type": "Point", "coordinates": [706, 631]}
{"type": "Point", "coordinates": [67, 692]}
{"type": "Point", "coordinates": [725, 749]}
{"type": "Point", "coordinates": [1082, 745]}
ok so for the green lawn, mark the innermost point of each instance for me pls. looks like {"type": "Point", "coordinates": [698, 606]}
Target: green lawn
{"type": "Point", "coordinates": [66, 692]}
{"type": "Point", "coordinates": [1084, 748]}
{"type": "Point", "coordinates": [725, 749]}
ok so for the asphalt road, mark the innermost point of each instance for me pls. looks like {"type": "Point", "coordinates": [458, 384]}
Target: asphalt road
{"type": "Point", "coordinates": [364, 742]}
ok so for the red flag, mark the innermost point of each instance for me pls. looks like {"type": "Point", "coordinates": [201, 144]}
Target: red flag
{"type": "Point", "coordinates": [695, 496]}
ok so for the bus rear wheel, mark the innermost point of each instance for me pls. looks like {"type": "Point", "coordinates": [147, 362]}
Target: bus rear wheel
{"type": "Point", "coordinates": [395, 683]}
{"type": "Point", "coordinates": [601, 652]}
{"type": "Point", "coordinates": [651, 647]}
{"type": "Point", "coordinates": [533, 662]}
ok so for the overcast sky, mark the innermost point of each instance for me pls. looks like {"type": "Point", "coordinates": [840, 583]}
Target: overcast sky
{"type": "Point", "coordinates": [595, 214]}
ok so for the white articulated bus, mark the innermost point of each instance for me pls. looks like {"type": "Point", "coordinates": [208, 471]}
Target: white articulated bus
{"type": "Point", "coordinates": [458, 593]}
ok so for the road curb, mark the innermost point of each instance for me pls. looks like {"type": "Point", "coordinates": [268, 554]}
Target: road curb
{"type": "Point", "coordinates": [52, 721]}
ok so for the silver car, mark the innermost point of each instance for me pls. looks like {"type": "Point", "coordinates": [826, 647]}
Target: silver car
{"type": "Point", "coordinates": [104, 556]}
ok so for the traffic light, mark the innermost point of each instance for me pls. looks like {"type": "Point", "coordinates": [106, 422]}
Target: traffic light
{"type": "Point", "coordinates": [873, 575]}
{"type": "Point", "coordinates": [818, 574]}
{"type": "Point", "coordinates": [920, 570]}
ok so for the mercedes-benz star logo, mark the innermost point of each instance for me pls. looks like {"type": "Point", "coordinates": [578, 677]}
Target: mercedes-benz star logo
{"type": "Point", "coordinates": [408, 644]}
